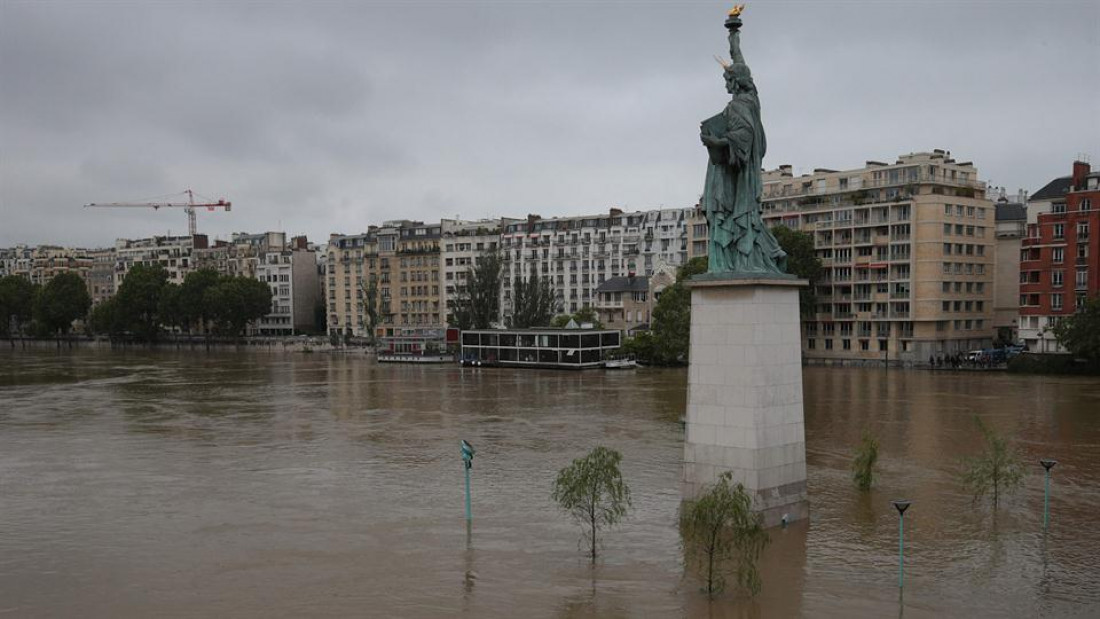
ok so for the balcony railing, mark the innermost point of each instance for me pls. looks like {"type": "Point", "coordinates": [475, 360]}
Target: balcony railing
{"type": "Point", "coordinates": [775, 189]}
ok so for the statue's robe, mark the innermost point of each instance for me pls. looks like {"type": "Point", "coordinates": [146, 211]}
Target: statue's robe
{"type": "Point", "coordinates": [739, 240]}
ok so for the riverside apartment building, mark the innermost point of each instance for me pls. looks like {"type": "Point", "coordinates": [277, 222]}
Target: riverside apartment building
{"type": "Point", "coordinates": [580, 253]}
{"type": "Point", "coordinates": [1060, 256]}
{"type": "Point", "coordinates": [908, 250]}
{"type": "Point", "coordinates": [393, 269]}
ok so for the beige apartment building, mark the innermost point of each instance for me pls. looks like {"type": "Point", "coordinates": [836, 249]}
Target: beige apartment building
{"type": "Point", "coordinates": [100, 278]}
{"type": "Point", "coordinates": [462, 243]}
{"type": "Point", "coordinates": [1011, 228]}
{"type": "Point", "coordinates": [393, 269]}
{"type": "Point", "coordinates": [289, 268]}
{"type": "Point", "coordinates": [908, 249]}
{"type": "Point", "coordinates": [173, 253]}
{"type": "Point", "coordinates": [40, 264]}
{"type": "Point", "coordinates": [352, 283]}
{"type": "Point", "coordinates": [697, 233]}
{"type": "Point", "coordinates": [418, 302]}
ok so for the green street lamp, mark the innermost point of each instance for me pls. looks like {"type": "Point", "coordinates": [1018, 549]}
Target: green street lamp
{"type": "Point", "coordinates": [1047, 464]}
{"type": "Point", "coordinates": [468, 461]}
{"type": "Point", "coordinates": [901, 506]}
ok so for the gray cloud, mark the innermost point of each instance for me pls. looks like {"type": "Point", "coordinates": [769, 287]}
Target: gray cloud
{"type": "Point", "coordinates": [325, 117]}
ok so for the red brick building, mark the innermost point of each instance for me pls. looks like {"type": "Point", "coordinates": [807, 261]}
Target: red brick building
{"type": "Point", "coordinates": [1060, 256]}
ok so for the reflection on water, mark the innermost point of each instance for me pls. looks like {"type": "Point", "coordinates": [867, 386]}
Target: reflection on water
{"type": "Point", "coordinates": [189, 484]}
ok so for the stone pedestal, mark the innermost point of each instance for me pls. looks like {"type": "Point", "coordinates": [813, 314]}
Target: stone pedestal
{"type": "Point", "coordinates": [744, 409]}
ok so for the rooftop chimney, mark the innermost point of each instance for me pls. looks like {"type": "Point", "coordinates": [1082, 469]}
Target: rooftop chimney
{"type": "Point", "coordinates": [1081, 169]}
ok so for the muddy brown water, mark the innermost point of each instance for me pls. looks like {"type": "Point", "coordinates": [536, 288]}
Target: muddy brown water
{"type": "Point", "coordinates": [140, 484]}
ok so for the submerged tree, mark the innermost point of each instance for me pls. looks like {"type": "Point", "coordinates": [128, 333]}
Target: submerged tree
{"type": "Point", "coordinates": [533, 302]}
{"type": "Point", "coordinates": [17, 295]}
{"type": "Point", "coordinates": [720, 528]}
{"type": "Point", "coordinates": [477, 303]}
{"type": "Point", "coordinates": [863, 465]}
{"type": "Point", "coordinates": [237, 301]}
{"type": "Point", "coordinates": [667, 343]}
{"type": "Point", "coordinates": [104, 318]}
{"type": "Point", "coordinates": [369, 294]}
{"type": "Point", "coordinates": [191, 306]}
{"type": "Point", "coordinates": [1080, 333]}
{"type": "Point", "coordinates": [593, 492]}
{"type": "Point", "coordinates": [996, 470]}
{"type": "Point", "coordinates": [138, 301]}
{"type": "Point", "coordinates": [802, 261]}
{"type": "Point", "coordinates": [62, 300]}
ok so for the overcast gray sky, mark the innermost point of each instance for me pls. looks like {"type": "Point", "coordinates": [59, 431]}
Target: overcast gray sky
{"type": "Point", "coordinates": [320, 117]}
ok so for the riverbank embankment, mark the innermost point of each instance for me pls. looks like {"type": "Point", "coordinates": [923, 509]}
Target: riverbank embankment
{"type": "Point", "coordinates": [300, 344]}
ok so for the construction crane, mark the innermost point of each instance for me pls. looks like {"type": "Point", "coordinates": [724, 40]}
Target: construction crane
{"type": "Point", "coordinates": [189, 206]}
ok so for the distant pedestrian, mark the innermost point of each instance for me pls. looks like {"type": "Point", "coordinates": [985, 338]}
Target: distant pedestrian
{"type": "Point", "coordinates": [932, 362]}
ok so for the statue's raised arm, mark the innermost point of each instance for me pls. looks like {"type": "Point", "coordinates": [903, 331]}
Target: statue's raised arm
{"type": "Point", "coordinates": [733, 23]}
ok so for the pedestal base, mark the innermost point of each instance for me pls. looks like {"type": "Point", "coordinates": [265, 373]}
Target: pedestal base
{"type": "Point", "coordinates": [744, 410]}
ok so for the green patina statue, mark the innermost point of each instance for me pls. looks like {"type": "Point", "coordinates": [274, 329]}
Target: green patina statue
{"type": "Point", "coordinates": [740, 243]}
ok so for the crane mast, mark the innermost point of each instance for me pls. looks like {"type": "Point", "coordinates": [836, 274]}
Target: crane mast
{"type": "Point", "coordinates": [188, 207]}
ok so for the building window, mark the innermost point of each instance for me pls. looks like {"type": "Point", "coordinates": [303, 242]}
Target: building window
{"type": "Point", "coordinates": [1056, 301]}
{"type": "Point", "coordinates": [1086, 204]}
{"type": "Point", "coordinates": [1059, 231]}
{"type": "Point", "coordinates": [828, 344]}
{"type": "Point", "coordinates": [1057, 278]}
{"type": "Point", "coordinates": [1082, 230]}
{"type": "Point", "coordinates": [1058, 255]}
{"type": "Point", "coordinates": [1082, 279]}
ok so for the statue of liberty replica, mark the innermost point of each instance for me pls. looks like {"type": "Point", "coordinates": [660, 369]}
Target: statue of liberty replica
{"type": "Point", "coordinates": [744, 398]}
{"type": "Point", "coordinates": [740, 243]}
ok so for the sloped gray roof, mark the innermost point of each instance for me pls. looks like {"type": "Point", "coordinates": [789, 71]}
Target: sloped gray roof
{"type": "Point", "coordinates": [1054, 189]}
{"type": "Point", "coordinates": [625, 284]}
{"type": "Point", "coordinates": [1011, 211]}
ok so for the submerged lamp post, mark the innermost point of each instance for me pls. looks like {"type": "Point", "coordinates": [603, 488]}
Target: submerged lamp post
{"type": "Point", "coordinates": [901, 506]}
{"type": "Point", "coordinates": [1047, 464]}
{"type": "Point", "coordinates": [468, 461]}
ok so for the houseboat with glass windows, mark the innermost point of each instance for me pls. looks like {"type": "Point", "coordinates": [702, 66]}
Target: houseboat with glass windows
{"type": "Point", "coordinates": [416, 346]}
{"type": "Point", "coordinates": [573, 349]}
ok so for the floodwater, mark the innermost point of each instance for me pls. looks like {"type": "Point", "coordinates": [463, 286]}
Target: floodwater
{"type": "Point", "coordinates": [186, 484]}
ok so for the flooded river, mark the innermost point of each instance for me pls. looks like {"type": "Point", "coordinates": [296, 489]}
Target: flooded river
{"type": "Point", "coordinates": [141, 484]}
